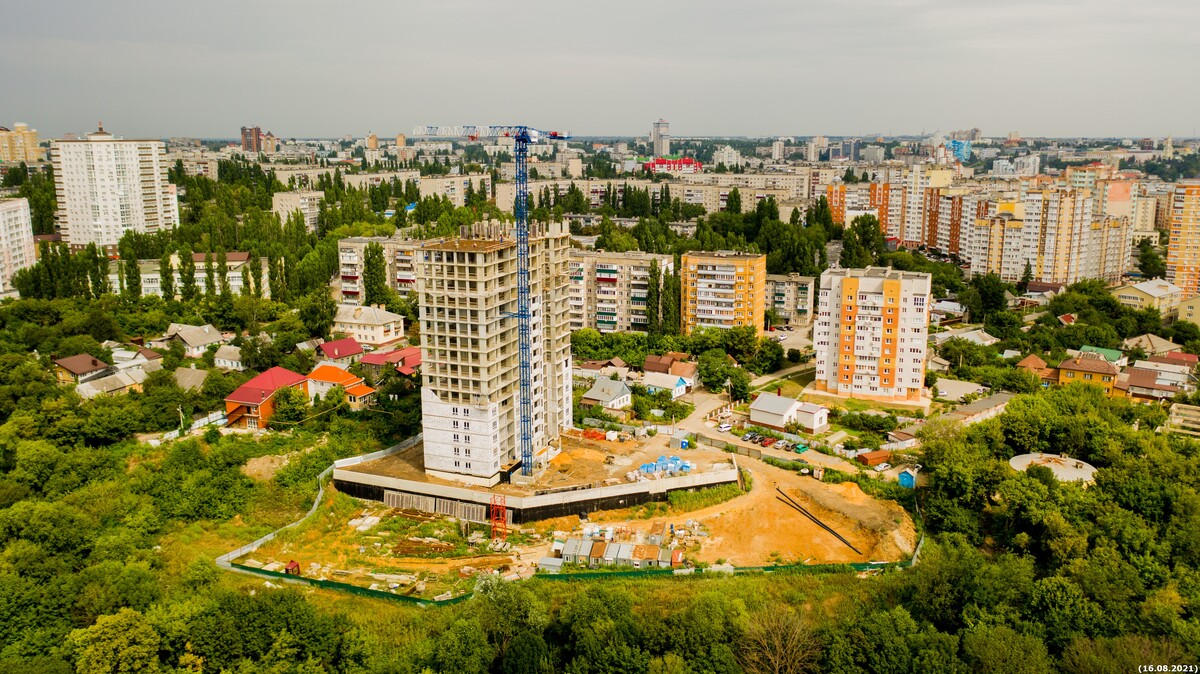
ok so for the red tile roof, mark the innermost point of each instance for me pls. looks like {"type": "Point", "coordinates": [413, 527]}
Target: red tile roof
{"type": "Point", "coordinates": [1032, 362]}
{"type": "Point", "coordinates": [340, 348]}
{"type": "Point", "coordinates": [262, 387]}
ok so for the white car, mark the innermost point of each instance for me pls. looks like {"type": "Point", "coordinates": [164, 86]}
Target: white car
{"type": "Point", "coordinates": [725, 428]}
{"type": "Point", "coordinates": [882, 467]}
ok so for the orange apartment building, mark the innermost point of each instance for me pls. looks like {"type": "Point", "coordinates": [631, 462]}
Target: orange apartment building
{"type": "Point", "coordinates": [871, 333]}
{"type": "Point", "coordinates": [723, 289]}
{"type": "Point", "coordinates": [1183, 251]}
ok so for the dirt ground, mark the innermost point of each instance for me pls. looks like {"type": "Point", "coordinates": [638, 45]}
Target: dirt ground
{"type": "Point", "coordinates": [263, 468]}
{"type": "Point", "coordinates": [757, 529]}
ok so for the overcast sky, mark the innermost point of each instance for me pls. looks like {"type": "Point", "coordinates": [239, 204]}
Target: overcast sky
{"type": "Point", "coordinates": [302, 68]}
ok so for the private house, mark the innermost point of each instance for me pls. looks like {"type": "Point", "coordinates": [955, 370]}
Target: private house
{"type": "Point", "coordinates": [1088, 369]}
{"type": "Point", "coordinates": [981, 410]}
{"type": "Point", "coordinates": [118, 383]}
{"type": "Point", "coordinates": [324, 378]}
{"type": "Point", "coordinates": [1033, 363]}
{"type": "Point", "coordinates": [660, 364]}
{"type": "Point", "coordinates": [190, 378]}
{"type": "Point", "coordinates": [195, 338]}
{"type": "Point", "coordinates": [659, 381]}
{"type": "Point", "coordinates": [974, 336]}
{"type": "Point", "coordinates": [610, 394]}
{"type": "Point", "coordinates": [229, 358]}
{"type": "Point", "coordinates": [125, 357]}
{"type": "Point", "coordinates": [371, 326]}
{"type": "Point", "coordinates": [343, 352]}
{"type": "Point", "coordinates": [406, 361]}
{"type": "Point", "coordinates": [778, 412]}
{"type": "Point", "coordinates": [1113, 356]}
{"type": "Point", "coordinates": [80, 368]}
{"type": "Point", "coordinates": [1151, 345]}
{"type": "Point", "coordinates": [253, 403]}
{"type": "Point", "coordinates": [686, 370]}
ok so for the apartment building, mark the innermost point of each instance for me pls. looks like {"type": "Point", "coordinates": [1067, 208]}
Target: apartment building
{"type": "Point", "coordinates": [252, 139]}
{"type": "Point", "coordinates": [791, 296]}
{"type": "Point", "coordinates": [16, 241]}
{"type": "Point", "coordinates": [946, 211]}
{"type": "Point", "coordinates": [107, 186]}
{"type": "Point", "coordinates": [454, 187]}
{"type": "Point", "coordinates": [398, 265]}
{"type": "Point", "coordinates": [609, 290]}
{"type": "Point", "coordinates": [1183, 251]}
{"type": "Point", "coordinates": [308, 202]}
{"type": "Point", "coordinates": [660, 138]}
{"type": "Point", "coordinates": [20, 143]}
{"type": "Point", "coordinates": [470, 401]}
{"type": "Point", "coordinates": [918, 198]}
{"type": "Point", "coordinates": [723, 289]}
{"type": "Point", "coordinates": [1153, 294]}
{"type": "Point", "coordinates": [1055, 232]}
{"type": "Point", "coordinates": [239, 266]}
{"type": "Point", "coordinates": [871, 333]}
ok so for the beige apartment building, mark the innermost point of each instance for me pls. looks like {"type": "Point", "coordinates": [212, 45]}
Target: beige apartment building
{"type": "Point", "coordinates": [17, 251]}
{"type": "Point", "coordinates": [1056, 233]}
{"type": "Point", "coordinates": [609, 290]}
{"type": "Point", "coordinates": [871, 333]}
{"type": "Point", "coordinates": [469, 344]}
{"type": "Point", "coordinates": [791, 296]}
{"type": "Point", "coordinates": [308, 202]}
{"type": "Point", "coordinates": [399, 269]}
{"type": "Point", "coordinates": [107, 186]}
{"type": "Point", "coordinates": [453, 187]}
{"type": "Point", "coordinates": [1183, 251]}
{"type": "Point", "coordinates": [20, 143]}
{"type": "Point", "coordinates": [723, 289]}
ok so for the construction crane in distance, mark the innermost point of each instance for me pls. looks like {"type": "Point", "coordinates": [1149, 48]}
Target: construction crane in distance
{"type": "Point", "coordinates": [522, 137]}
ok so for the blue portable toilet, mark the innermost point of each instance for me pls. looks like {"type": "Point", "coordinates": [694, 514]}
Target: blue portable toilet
{"type": "Point", "coordinates": [908, 477]}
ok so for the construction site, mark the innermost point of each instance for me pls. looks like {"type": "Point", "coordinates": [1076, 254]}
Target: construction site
{"type": "Point", "coordinates": [500, 482]}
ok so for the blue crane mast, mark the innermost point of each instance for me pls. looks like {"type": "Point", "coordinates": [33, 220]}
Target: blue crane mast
{"type": "Point", "coordinates": [522, 137]}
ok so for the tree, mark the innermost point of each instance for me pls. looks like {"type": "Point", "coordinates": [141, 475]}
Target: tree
{"type": "Point", "coordinates": [124, 642]}
{"type": "Point", "coordinates": [131, 273]}
{"type": "Point", "coordinates": [527, 654]}
{"type": "Point", "coordinates": [653, 317]}
{"type": "Point", "coordinates": [1000, 650]}
{"type": "Point", "coordinates": [779, 642]}
{"type": "Point", "coordinates": [1026, 277]}
{"type": "Point", "coordinates": [317, 311]}
{"type": "Point", "coordinates": [187, 275]}
{"type": "Point", "coordinates": [291, 406]}
{"type": "Point", "coordinates": [210, 283]}
{"type": "Point", "coordinates": [167, 273]}
{"type": "Point", "coordinates": [1150, 263]}
{"type": "Point", "coordinates": [375, 288]}
{"type": "Point", "coordinates": [733, 202]}
{"type": "Point", "coordinates": [768, 358]}
{"type": "Point", "coordinates": [793, 356]}
{"type": "Point", "coordinates": [849, 177]}
{"type": "Point", "coordinates": [223, 272]}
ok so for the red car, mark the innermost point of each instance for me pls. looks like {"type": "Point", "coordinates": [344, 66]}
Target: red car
{"type": "Point", "coordinates": [767, 442]}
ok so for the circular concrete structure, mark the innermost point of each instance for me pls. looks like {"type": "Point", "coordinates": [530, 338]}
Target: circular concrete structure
{"type": "Point", "coordinates": [1064, 468]}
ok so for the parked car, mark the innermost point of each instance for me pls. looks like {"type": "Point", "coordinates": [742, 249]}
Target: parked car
{"type": "Point", "coordinates": [725, 428]}
{"type": "Point", "coordinates": [800, 449]}
{"type": "Point", "coordinates": [783, 445]}
{"type": "Point", "coordinates": [882, 467]}
{"type": "Point", "coordinates": [767, 442]}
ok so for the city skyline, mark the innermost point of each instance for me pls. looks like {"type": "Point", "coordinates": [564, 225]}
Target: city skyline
{"type": "Point", "coordinates": [158, 70]}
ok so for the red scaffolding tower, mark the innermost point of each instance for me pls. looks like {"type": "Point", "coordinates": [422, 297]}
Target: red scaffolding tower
{"type": "Point", "coordinates": [499, 513]}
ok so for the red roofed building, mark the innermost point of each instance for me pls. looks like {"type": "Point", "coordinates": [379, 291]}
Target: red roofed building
{"type": "Point", "coordinates": [342, 351]}
{"type": "Point", "coordinates": [253, 403]}
{"type": "Point", "coordinates": [406, 361]}
{"type": "Point", "coordinates": [324, 378]}
{"type": "Point", "coordinates": [679, 165]}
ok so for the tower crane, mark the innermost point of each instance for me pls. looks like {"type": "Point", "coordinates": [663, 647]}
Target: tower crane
{"type": "Point", "coordinates": [522, 137]}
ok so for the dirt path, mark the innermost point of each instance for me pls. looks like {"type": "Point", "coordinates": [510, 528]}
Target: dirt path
{"type": "Point", "coordinates": [758, 529]}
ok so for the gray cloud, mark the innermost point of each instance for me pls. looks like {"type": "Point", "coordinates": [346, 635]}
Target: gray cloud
{"type": "Point", "coordinates": [759, 67]}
